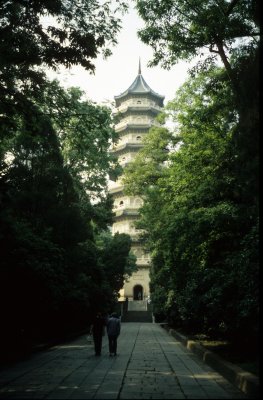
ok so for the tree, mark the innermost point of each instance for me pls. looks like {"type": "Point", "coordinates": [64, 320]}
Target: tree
{"type": "Point", "coordinates": [50, 273]}
{"type": "Point", "coordinates": [150, 162]}
{"type": "Point", "coordinates": [85, 132]}
{"type": "Point", "coordinates": [117, 260]}
{"type": "Point", "coordinates": [40, 224]}
{"type": "Point", "coordinates": [215, 178]}
{"type": "Point", "coordinates": [196, 224]}
{"type": "Point", "coordinates": [184, 29]}
{"type": "Point", "coordinates": [47, 34]}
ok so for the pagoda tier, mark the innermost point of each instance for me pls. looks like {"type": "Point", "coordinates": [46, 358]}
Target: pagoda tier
{"type": "Point", "coordinates": [123, 128]}
{"type": "Point", "coordinates": [128, 213]}
{"type": "Point", "coordinates": [133, 130]}
{"type": "Point", "coordinates": [123, 148]}
{"type": "Point", "coordinates": [116, 190]}
{"type": "Point", "coordinates": [133, 107]}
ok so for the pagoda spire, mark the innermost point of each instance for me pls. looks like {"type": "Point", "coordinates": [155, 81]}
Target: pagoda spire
{"type": "Point", "coordinates": [139, 70]}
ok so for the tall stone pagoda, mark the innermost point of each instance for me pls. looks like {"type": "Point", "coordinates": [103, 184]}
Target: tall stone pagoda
{"type": "Point", "coordinates": [138, 106]}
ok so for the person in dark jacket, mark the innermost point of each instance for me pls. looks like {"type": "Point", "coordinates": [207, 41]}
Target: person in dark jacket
{"type": "Point", "coordinates": [113, 331]}
{"type": "Point", "coordinates": [97, 330]}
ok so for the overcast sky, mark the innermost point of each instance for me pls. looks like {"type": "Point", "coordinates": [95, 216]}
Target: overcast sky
{"type": "Point", "coordinates": [116, 74]}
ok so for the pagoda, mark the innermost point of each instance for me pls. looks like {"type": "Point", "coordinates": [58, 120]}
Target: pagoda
{"type": "Point", "coordinates": [137, 107]}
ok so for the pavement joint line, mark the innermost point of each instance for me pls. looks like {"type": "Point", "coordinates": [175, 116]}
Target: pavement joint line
{"type": "Point", "coordinates": [171, 367]}
{"type": "Point", "coordinates": [78, 367]}
{"type": "Point", "coordinates": [127, 365]}
{"type": "Point", "coordinates": [58, 350]}
{"type": "Point", "coordinates": [63, 380]}
{"type": "Point", "coordinates": [27, 371]}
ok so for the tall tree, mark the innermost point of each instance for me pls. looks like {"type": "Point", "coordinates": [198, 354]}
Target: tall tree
{"type": "Point", "coordinates": [150, 162]}
{"type": "Point", "coordinates": [226, 31]}
{"type": "Point", "coordinates": [85, 132]}
{"type": "Point", "coordinates": [117, 260]}
{"type": "Point", "coordinates": [50, 272]}
{"type": "Point", "coordinates": [184, 29]}
{"type": "Point", "coordinates": [196, 224]}
{"type": "Point", "coordinates": [47, 34]}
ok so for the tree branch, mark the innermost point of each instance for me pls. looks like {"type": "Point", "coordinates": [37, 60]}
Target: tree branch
{"type": "Point", "coordinates": [231, 6]}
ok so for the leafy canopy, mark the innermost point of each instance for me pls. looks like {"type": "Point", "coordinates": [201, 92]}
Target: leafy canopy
{"type": "Point", "coordinates": [40, 34]}
{"type": "Point", "coordinates": [184, 29]}
{"type": "Point", "coordinates": [197, 221]}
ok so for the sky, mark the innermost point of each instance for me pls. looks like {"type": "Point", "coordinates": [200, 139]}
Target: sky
{"type": "Point", "coordinates": [115, 74]}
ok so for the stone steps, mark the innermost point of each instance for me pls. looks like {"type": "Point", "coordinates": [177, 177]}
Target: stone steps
{"type": "Point", "coordinates": [137, 316]}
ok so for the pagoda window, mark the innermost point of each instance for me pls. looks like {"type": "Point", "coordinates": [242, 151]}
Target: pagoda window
{"type": "Point", "coordinates": [139, 102]}
{"type": "Point", "coordinates": [138, 137]}
{"type": "Point", "coordinates": [121, 203]}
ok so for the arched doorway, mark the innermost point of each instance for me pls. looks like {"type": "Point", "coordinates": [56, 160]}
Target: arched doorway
{"type": "Point", "coordinates": [138, 292]}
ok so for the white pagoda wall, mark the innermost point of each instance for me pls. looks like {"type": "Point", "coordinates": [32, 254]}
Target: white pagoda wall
{"type": "Point", "coordinates": [122, 202]}
{"type": "Point", "coordinates": [138, 101]}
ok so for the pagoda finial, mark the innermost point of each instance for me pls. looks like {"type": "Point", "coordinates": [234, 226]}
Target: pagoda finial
{"type": "Point", "coordinates": [139, 70]}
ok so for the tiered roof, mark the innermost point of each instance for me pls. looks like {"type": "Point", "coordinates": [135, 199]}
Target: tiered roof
{"type": "Point", "coordinates": [138, 87]}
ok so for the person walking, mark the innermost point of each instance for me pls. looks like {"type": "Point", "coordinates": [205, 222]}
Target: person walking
{"type": "Point", "coordinates": [113, 331]}
{"type": "Point", "coordinates": [97, 331]}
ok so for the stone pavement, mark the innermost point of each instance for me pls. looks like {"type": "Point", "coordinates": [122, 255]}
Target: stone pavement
{"type": "Point", "coordinates": [150, 365]}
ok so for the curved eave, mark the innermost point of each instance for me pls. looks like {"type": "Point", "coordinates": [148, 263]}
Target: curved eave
{"type": "Point", "coordinates": [127, 147]}
{"type": "Point", "coordinates": [136, 239]}
{"type": "Point", "coordinates": [139, 110]}
{"type": "Point", "coordinates": [126, 213]}
{"type": "Point", "coordinates": [123, 218]}
{"type": "Point", "coordinates": [133, 126]}
{"type": "Point", "coordinates": [144, 264]}
{"type": "Point", "coordinates": [116, 191]}
{"type": "Point", "coordinates": [143, 130]}
{"type": "Point", "coordinates": [117, 195]}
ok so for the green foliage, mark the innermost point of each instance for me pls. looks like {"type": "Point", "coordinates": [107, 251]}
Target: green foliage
{"type": "Point", "coordinates": [117, 260]}
{"type": "Point", "coordinates": [149, 162]}
{"type": "Point", "coordinates": [86, 153]}
{"type": "Point", "coordinates": [200, 214]}
{"type": "Point", "coordinates": [48, 34]}
{"type": "Point", "coordinates": [72, 33]}
{"type": "Point", "coordinates": [182, 29]}
{"type": "Point", "coordinates": [199, 221]}
{"type": "Point", "coordinates": [47, 236]}
{"type": "Point", "coordinates": [53, 161]}
{"type": "Point", "coordinates": [38, 211]}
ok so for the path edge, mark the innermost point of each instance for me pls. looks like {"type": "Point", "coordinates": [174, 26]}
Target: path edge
{"type": "Point", "coordinates": [245, 381]}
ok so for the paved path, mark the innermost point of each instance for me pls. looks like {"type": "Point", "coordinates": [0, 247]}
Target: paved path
{"type": "Point", "coordinates": [151, 365]}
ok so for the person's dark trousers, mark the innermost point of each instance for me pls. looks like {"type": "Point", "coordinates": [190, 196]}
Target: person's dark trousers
{"type": "Point", "coordinates": [97, 344]}
{"type": "Point", "coordinates": [112, 344]}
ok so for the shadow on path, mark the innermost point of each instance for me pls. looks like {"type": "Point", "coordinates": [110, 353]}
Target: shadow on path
{"type": "Point", "coordinates": [150, 365]}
